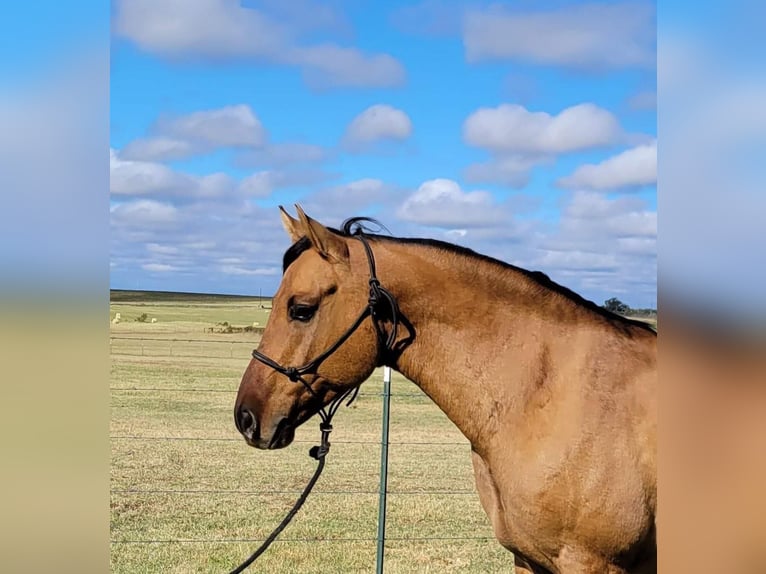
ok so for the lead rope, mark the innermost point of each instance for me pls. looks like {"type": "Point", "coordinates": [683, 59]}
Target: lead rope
{"type": "Point", "coordinates": [318, 452]}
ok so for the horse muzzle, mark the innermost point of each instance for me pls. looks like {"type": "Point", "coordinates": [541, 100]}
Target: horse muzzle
{"type": "Point", "coordinates": [276, 436]}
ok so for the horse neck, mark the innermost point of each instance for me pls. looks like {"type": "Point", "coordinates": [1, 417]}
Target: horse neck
{"type": "Point", "coordinates": [477, 340]}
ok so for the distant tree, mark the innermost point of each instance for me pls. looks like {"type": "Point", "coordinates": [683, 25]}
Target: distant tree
{"type": "Point", "coordinates": [616, 306]}
{"type": "Point", "coordinates": [143, 318]}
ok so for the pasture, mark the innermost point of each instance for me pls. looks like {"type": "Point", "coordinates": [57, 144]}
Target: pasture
{"type": "Point", "coordinates": [188, 495]}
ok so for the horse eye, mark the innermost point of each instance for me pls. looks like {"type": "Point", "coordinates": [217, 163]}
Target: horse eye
{"type": "Point", "coordinates": [302, 313]}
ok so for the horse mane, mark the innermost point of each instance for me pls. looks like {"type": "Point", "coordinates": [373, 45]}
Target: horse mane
{"type": "Point", "coordinates": [363, 226]}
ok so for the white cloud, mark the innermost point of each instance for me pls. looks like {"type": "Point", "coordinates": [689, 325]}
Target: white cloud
{"type": "Point", "coordinates": [377, 123]}
{"type": "Point", "coordinates": [512, 170]}
{"type": "Point", "coordinates": [441, 203]}
{"type": "Point", "coordinates": [145, 212]}
{"type": "Point", "coordinates": [583, 204]}
{"type": "Point", "coordinates": [158, 267]}
{"type": "Point", "coordinates": [262, 183]}
{"type": "Point", "coordinates": [139, 177]}
{"type": "Point", "coordinates": [639, 245]}
{"type": "Point", "coordinates": [572, 259]}
{"type": "Point", "coordinates": [144, 178]}
{"type": "Point", "coordinates": [631, 169]}
{"type": "Point", "coordinates": [158, 148]}
{"type": "Point", "coordinates": [230, 126]}
{"type": "Point", "coordinates": [282, 154]}
{"type": "Point", "coordinates": [594, 218]}
{"type": "Point", "coordinates": [211, 28]}
{"type": "Point", "coordinates": [135, 178]}
{"type": "Point", "coordinates": [200, 132]}
{"type": "Point", "coordinates": [512, 128]}
{"type": "Point", "coordinates": [238, 270]}
{"type": "Point", "coordinates": [329, 65]}
{"type": "Point", "coordinates": [157, 249]}
{"type": "Point", "coordinates": [259, 184]}
{"type": "Point", "coordinates": [589, 36]}
{"type": "Point", "coordinates": [602, 246]}
{"type": "Point", "coordinates": [227, 30]}
{"type": "Point", "coordinates": [337, 203]}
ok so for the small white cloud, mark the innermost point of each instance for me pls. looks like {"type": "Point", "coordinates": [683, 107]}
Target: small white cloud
{"type": "Point", "coordinates": [578, 260]}
{"type": "Point", "coordinates": [157, 148]}
{"type": "Point", "coordinates": [631, 169]}
{"type": "Point", "coordinates": [259, 184]}
{"type": "Point", "coordinates": [145, 212]}
{"type": "Point", "coordinates": [196, 133]}
{"type": "Point", "coordinates": [158, 249]}
{"type": "Point", "coordinates": [582, 36]}
{"type": "Point", "coordinates": [135, 178]}
{"type": "Point", "coordinates": [602, 246]}
{"type": "Point", "coordinates": [211, 28]}
{"type": "Point", "coordinates": [139, 178]}
{"type": "Point", "coordinates": [512, 170]}
{"type": "Point", "coordinates": [512, 128]}
{"type": "Point", "coordinates": [589, 213]}
{"type": "Point", "coordinates": [227, 30]}
{"type": "Point", "coordinates": [238, 270]}
{"type": "Point", "coordinates": [337, 203]}
{"type": "Point", "coordinates": [282, 154]}
{"type": "Point", "coordinates": [230, 126]}
{"type": "Point", "coordinates": [377, 123]}
{"type": "Point", "coordinates": [158, 267]}
{"type": "Point", "coordinates": [329, 65]}
{"type": "Point", "coordinates": [262, 183]}
{"type": "Point", "coordinates": [441, 203]}
{"type": "Point", "coordinates": [367, 187]}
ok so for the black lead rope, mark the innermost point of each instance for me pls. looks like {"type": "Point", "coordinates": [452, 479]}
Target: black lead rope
{"type": "Point", "coordinates": [317, 452]}
{"type": "Point", "coordinates": [378, 295]}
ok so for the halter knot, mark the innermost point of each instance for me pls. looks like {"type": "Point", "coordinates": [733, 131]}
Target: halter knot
{"type": "Point", "coordinates": [374, 298]}
{"type": "Point", "coordinates": [292, 374]}
{"type": "Point", "coordinates": [319, 452]}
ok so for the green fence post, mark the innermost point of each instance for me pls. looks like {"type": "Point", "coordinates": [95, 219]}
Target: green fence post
{"type": "Point", "coordinates": [383, 471]}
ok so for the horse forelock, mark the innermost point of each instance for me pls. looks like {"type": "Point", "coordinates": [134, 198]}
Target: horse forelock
{"type": "Point", "coordinates": [350, 227]}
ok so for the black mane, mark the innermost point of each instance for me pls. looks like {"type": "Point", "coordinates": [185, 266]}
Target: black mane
{"type": "Point", "coordinates": [361, 225]}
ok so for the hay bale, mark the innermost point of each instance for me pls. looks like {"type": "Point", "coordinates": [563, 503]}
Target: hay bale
{"type": "Point", "coordinates": [154, 320]}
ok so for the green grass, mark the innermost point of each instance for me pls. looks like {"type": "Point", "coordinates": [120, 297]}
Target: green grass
{"type": "Point", "coordinates": [188, 495]}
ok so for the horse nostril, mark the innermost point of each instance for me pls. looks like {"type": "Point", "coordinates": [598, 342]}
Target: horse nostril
{"type": "Point", "coordinates": [245, 420]}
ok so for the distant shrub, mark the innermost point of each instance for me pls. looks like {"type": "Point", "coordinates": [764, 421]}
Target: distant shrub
{"type": "Point", "coordinates": [142, 318]}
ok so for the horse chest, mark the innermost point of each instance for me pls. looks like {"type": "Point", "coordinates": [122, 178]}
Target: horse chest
{"type": "Point", "coordinates": [516, 528]}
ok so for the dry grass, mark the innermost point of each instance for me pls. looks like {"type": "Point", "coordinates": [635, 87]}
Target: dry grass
{"type": "Point", "coordinates": [189, 496]}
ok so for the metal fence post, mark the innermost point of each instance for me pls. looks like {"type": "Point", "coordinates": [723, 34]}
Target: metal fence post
{"type": "Point", "coordinates": [383, 471]}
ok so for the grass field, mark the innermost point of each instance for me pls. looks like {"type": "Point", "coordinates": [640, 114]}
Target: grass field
{"type": "Point", "coordinates": [188, 495]}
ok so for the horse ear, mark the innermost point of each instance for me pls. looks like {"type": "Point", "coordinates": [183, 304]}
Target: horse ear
{"type": "Point", "coordinates": [291, 225]}
{"type": "Point", "coordinates": [328, 244]}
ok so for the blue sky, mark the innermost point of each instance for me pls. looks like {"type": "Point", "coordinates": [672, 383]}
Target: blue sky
{"type": "Point", "coordinates": [524, 130]}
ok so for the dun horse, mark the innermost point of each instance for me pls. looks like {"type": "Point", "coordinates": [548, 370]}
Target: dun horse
{"type": "Point", "coordinates": [556, 395]}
